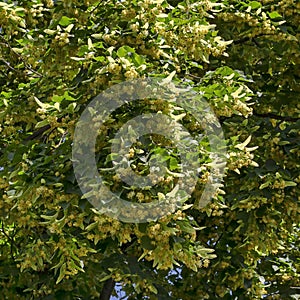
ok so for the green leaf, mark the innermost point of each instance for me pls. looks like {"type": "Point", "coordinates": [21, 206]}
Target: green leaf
{"type": "Point", "coordinates": [71, 108]}
{"type": "Point", "coordinates": [91, 226]}
{"type": "Point", "coordinates": [173, 164]}
{"type": "Point", "coordinates": [62, 272]}
{"type": "Point", "coordinates": [105, 278]}
{"type": "Point", "coordinates": [65, 21]}
{"type": "Point", "coordinates": [275, 15]}
{"type": "Point", "coordinates": [73, 266]}
{"type": "Point", "coordinates": [264, 185]}
{"type": "Point", "coordinates": [152, 289]}
{"type": "Point", "coordinates": [289, 183]}
{"type": "Point", "coordinates": [146, 243]}
{"type": "Point", "coordinates": [41, 124]}
{"type": "Point", "coordinates": [186, 227]}
{"type": "Point", "coordinates": [68, 97]}
{"type": "Point", "coordinates": [57, 98]}
{"type": "Point", "coordinates": [124, 51]}
{"type": "Point", "coordinates": [138, 60]}
{"type": "Point", "coordinates": [99, 58]}
{"type": "Point", "coordinates": [143, 227]}
{"type": "Point", "coordinates": [224, 71]}
{"type": "Point", "coordinates": [254, 4]}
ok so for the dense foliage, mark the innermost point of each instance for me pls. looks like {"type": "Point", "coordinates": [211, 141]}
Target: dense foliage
{"type": "Point", "coordinates": [242, 56]}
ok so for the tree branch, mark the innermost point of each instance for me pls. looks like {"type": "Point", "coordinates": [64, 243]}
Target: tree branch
{"type": "Point", "coordinates": [107, 289]}
{"type": "Point", "coordinates": [39, 132]}
{"type": "Point", "coordinates": [109, 284]}
{"type": "Point", "coordinates": [249, 39]}
{"type": "Point", "coordinates": [273, 116]}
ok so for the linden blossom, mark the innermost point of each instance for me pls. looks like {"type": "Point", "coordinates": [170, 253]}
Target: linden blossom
{"type": "Point", "coordinates": [242, 58]}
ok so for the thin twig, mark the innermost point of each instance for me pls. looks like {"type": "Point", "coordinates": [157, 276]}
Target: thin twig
{"type": "Point", "coordinates": [10, 241]}
{"type": "Point", "coordinates": [8, 64]}
{"type": "Point", "coordinates": [27, 66]}
{"type": "Point", "coordinates": [100, 2]}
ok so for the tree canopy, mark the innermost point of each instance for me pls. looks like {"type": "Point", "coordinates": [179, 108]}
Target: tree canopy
{"type": "Point", "coordinates": [241, 57]}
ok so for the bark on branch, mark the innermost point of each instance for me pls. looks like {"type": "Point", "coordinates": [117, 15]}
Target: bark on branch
{"type": "Point", "coordinates": [107, 289]}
